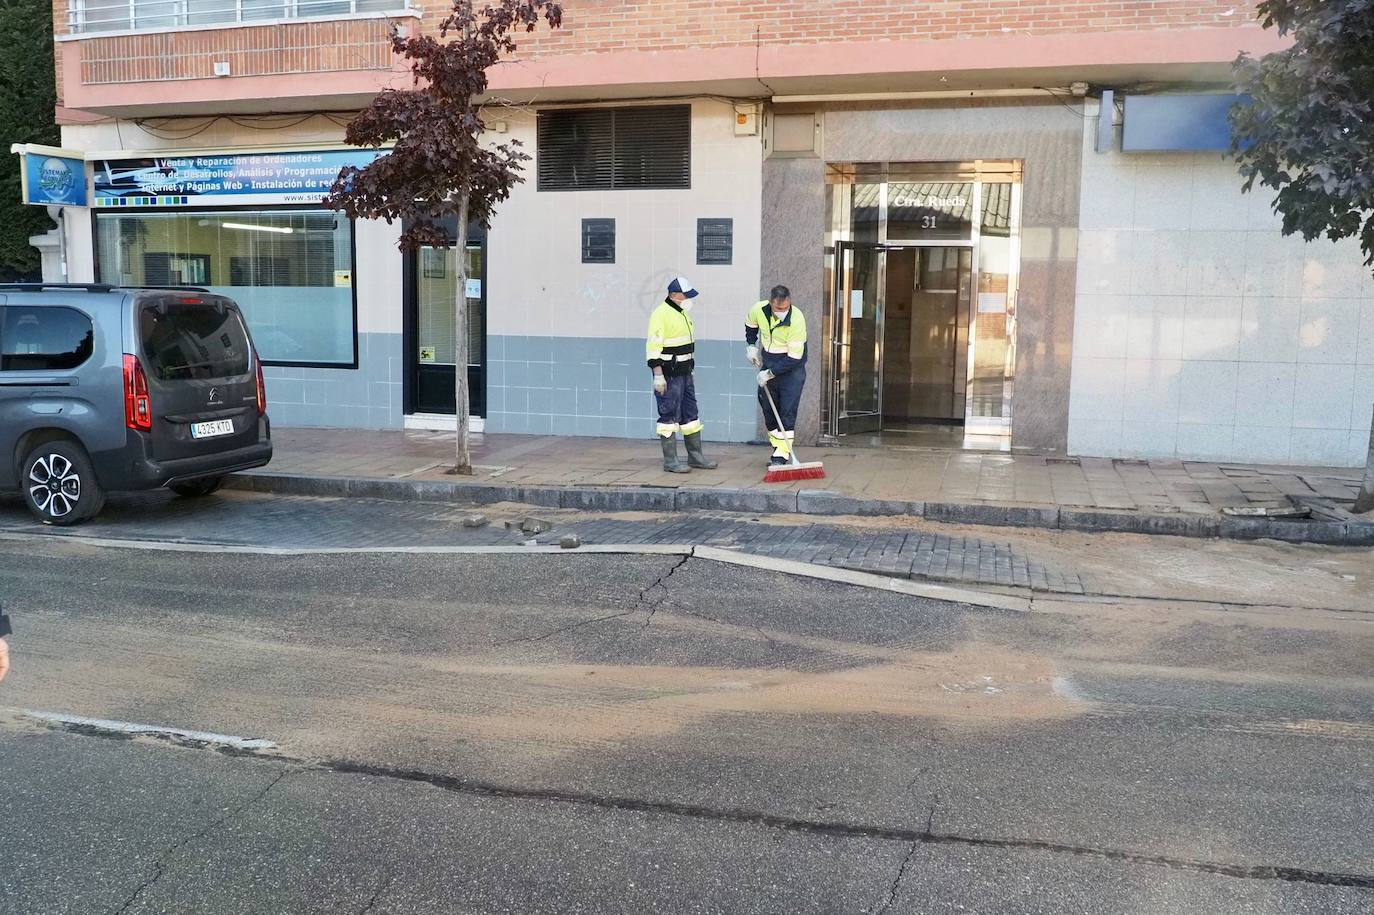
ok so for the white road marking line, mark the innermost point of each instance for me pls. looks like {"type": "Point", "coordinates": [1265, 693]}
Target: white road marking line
{"type": "Point", "coordinates": [176, 546]}
{"type": "Point", "coordinates": [129, 727]}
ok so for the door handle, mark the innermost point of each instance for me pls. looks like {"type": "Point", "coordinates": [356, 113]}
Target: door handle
{"type": "Point", "coordinates": [38, 383]}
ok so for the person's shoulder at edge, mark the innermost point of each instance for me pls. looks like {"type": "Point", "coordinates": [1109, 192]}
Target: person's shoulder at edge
{"type": "Point", "coordinates": [5, 630]}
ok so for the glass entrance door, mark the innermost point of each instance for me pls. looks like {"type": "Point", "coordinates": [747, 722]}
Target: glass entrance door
{"type": "Point", "coordinates": [857, 319]}
{"type": "Point", "coordinates": [992, 331]}
{"type": "Point", "coordinates": [921, 320]}
{"type": "Point", "coordinates": [432, 290]}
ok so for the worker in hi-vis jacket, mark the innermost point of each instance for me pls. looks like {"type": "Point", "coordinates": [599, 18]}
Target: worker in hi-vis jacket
{"type": "Point", "coordinates": [776, 336]}
{"type": "Point", "coordinates": [671, 353]}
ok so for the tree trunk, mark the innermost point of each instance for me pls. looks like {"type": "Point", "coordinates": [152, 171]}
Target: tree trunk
{"type": "Point", "coordinates": [462, 453]}
{"type": "Point", "coordinates": [1364, 502]}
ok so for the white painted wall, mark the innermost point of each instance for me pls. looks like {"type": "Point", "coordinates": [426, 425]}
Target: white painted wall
{"type": "Point", "coordinates": [1202, 333]}
{"type": "Point", "coordinates": [538, 284]}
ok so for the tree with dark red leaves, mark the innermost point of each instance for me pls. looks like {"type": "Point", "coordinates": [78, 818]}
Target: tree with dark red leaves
{"type": "Point", "coordinates": [439, 167]}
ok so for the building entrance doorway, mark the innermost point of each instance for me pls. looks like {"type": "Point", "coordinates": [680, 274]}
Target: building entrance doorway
{"type": "Point", "coordinates": [921, 322]}
{"type": "Point", "coordinates": [431, 289]}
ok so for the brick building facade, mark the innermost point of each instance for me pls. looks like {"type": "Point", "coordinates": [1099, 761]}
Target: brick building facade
{"type": "Point", "coordinates": [1010, 225]}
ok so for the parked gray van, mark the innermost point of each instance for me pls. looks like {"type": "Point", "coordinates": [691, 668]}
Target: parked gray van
{"type": "Point", "coordinates": [106, 388]}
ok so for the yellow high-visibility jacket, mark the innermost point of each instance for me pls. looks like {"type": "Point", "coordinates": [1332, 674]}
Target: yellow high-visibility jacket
{"type": "Point", "coordinates": [781, 342]}
{"type": "Point", "coordinates": [672, 340]}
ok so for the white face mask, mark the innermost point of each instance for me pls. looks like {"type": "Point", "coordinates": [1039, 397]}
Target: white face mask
{"type": "Point", "coordinates": [685, 305]}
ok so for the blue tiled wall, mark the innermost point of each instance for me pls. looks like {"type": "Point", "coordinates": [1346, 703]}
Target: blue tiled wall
{"type": "Point", "coordinates": [601, 386]}
{"type": "Point", "coordinates": [368, 397]}
{"type": "Point", "coordinates": [535, 385]}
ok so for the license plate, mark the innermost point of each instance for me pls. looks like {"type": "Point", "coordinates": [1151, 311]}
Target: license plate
{"type": "Point", "coordinates": [212, 429]}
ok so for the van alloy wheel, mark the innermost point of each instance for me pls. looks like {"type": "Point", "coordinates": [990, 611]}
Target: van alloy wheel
{"type": "Point", "coordinates": [54, 485]}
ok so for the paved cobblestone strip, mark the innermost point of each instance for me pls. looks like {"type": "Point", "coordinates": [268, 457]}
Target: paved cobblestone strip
{"type": "Point", "coordinates": [933, 557]}
{"type": "Point", "coordinates": [303, 522]}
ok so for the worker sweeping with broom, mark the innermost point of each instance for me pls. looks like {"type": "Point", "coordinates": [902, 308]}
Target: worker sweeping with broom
{"type": "Point", "coordinates": [776, 336]}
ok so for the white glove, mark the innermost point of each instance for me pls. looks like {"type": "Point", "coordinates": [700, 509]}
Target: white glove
{"type": "Point", "coordinates": [752, 354]}
{"type": "Point", "coordinates": [660, 384]}
{"type": "Point", "coordinates": [764, 377]}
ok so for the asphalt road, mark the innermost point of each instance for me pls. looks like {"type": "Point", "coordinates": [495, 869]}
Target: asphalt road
{"type": "Point", "coordinates": [652, 734]}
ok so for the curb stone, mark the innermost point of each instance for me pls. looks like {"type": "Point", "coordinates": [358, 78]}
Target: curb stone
{"type": "Point", "coordinates": [809, 502]}
{"type": "Point", "coordinates": [993, 514]}
{"type": "Point", "coordinates": [825, 502]}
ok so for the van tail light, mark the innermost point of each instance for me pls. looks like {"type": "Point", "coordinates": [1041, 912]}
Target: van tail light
{"type": "Point", "coordinates": [262, 388]}
{"type": "Point", "coordinates": [138, 407]}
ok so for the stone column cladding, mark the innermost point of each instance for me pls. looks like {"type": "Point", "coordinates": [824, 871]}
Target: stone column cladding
{"type": "Point", "coordinates": [794, 256]}
{"type": "Point", "coordinates": [1045, 135]}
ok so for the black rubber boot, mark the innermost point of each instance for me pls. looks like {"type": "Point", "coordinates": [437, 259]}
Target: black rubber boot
{"type": "Point", "coordinates": [695, 457]}
{"type": "Point", "coordinates": [670, 461]}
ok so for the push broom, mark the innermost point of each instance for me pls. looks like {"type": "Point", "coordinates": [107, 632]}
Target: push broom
{"type": "Point", "coordinates": [814, 470]}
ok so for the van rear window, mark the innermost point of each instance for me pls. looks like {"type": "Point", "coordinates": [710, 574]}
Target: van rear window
{"type": "Point", "coordinates": [201, 341]}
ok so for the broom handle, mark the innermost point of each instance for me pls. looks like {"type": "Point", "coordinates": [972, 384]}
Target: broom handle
{"type": "Point", "coordinates": [769, 394]}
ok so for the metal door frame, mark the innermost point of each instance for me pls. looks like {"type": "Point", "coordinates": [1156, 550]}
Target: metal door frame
{"type": "Point", "coordinates": [837, 367]}
{"type": "Point", "coordinates": [839, 324]}
{"type": "Point", "coordinates": [975, 425]}
{"type": "Point", "coordinates": [478, 238]}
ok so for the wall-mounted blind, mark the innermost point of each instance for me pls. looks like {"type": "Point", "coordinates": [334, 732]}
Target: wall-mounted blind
{"type": "Point", "coordinates": [615, 149]}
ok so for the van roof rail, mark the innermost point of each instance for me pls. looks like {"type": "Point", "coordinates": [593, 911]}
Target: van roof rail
{"type": "Point", "coordinates": [39, 287]}
{"type": "Point", "coordinates": [169, 288]}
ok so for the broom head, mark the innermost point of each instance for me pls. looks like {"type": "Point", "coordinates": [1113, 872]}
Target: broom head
{"type": "Point", "coordinates": [786, 473]}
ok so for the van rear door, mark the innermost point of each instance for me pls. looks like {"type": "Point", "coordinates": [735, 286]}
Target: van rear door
{"type": "Point", "coordinates": [201, 376]}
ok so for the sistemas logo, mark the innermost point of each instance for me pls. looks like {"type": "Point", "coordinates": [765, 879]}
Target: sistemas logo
{"type": "Point", "coordinates": [56, 179]}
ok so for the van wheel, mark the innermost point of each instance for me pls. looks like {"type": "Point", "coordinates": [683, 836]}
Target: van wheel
{"type": "Point", "coordinates": [60, 485]}
{"type": "Point", "coordinates": [194, 489]}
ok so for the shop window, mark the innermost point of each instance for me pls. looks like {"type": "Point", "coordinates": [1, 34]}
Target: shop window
{"type": "Point", "coordinates": [715, 241]}
{"type": "Point", "coordinates": [44, 339]}
{"type": "Point", "coordinates": [163, 269]}
{"type": "Point", "coordinates": [290, 271]}
{"type": "Point", "coordinates": [608, 149]}
{"type": "Point", "coordinates": [598, 241]}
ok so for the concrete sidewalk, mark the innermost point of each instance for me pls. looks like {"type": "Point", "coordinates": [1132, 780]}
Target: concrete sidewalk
{"type": "Point", "coordinates": [1168, 497]}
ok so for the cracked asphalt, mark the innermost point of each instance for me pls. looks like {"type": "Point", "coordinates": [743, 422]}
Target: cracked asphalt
{"type": "Point", "coordinates": [607, 734]}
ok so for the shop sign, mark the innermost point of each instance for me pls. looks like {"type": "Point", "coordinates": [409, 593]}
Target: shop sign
{"type": "Point", "coordinates": [249, 179]}
{"type": "Point", "coordinates": [52, 179]}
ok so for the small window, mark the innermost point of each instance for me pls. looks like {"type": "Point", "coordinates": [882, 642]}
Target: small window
{"type": "Point", "coordinates": [42, 339]}
{"type": "Point", "coordinates": [615, 149]}
{"type": "Point", "coordinates": [598, 241]}
{"type": "Point", "coordinates": [715, 241]}
{"type": "Point", "coordinates": [795, 135]}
